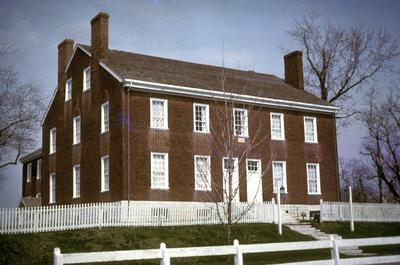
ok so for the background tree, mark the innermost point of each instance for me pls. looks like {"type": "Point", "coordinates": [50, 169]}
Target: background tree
{"type": "Point", "coordinates": [227, 143]}
{"type": "Point", "coordinates": [381, 144]}
{"type": "Point", "coordinates": [360, 176]}
{"type": "Point", "coordinates": [338, 59]}
{"type": "Point", "coordinates": [21, 109]}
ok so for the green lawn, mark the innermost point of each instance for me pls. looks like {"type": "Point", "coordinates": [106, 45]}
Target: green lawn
{"type": "Point", "coordinates": [38, 248]}
{"type": "Point", "coordinates": [365, 230]}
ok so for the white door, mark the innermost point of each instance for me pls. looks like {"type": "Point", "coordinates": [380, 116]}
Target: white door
{"type": "Point", "coordinates": [235, 179]}
{"type": "Point", "coordinates": [254, 181]}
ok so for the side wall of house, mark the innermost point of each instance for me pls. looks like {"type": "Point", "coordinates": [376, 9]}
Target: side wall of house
{"type": "Point", "coordinates": [32, 188]}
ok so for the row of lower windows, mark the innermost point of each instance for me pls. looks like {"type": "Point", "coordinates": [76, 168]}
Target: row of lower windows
{"type": "Point", "coordinates": [202, 174]}
{"type": "Point", "coordinates": [201, 121]}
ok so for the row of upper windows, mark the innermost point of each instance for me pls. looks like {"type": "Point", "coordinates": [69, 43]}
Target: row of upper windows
{"type": "Point", "coordinates": [76, 180]}
{"type": "Point", "coordinates": [202, 174]}
{"type": "Point", "coordinates": [201, 121]}
{"type": "Point", "coordinates": [85, 85]}
{"type": "Point", "coordinates": [76, 128]}
{"type": "Point", "coordinates": [38, 170]}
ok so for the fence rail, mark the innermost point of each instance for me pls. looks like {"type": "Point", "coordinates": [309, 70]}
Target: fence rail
{"type": "Point", "coordinates": [362, 212]}
{"type": "Point", "coordinates": [66, 217]}
{"type": "Point", "coordinates": [165, 254]}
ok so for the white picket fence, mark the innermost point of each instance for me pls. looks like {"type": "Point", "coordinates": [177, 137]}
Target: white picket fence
{"type": "Point", "coordinates": [362, 212]}
{"type": "Point", "coordinates": [165, 254]}
{"type": "Point", "coordinates": [133, 214]}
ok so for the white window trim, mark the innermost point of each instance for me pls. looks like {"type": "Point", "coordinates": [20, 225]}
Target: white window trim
{"type": "Point", "coordinates": [208, 184]}
{"type": "Point", "coordinates": [284, 175]}
{"type": "Point", "coordinates": [103, 129]}
{"type": "Point", "coordinates": [28, 172]}
{"type": "Point", "coordinates": [207, 117]}
{"type": "Point", "coordinates": [75, 139]}
{"type": "Point", "coordinates": [69, 81]}
{"type": "Point", "coordinates": [315, 130]}
{"type": "Point", "coordinates": [165, 113]}
{"type": "Point", "coordinates": [283, 125]}
{"type": "Point", "coordinates": [74, 195]}
{"type": "Point", "coordinates": [318, 179]}
{"type": "Point", "coordinates": [166, 187]}
{"type": "Point", "coordinates": [84, 79]}
{"type": "Point", "coordinates": [102, 174]}
{"type": "Point", "coordinates": [38, 169]}
{"type": "Point", "coordinates": [246, 131]}
{"type": "Point", "coordinates": [52, 196]}
{"type": "Point", "coordinates": [53, 150]}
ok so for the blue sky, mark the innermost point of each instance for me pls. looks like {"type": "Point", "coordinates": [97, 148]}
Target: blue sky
{"type": "Point", "coordinates": [253, 34]}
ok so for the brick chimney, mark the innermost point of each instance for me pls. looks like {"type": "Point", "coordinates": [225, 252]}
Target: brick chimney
{"type": "Point", "coordinates": [65, 50]}
{"type": "Point", "coordinates": [99, 36]}
{"type": "Point", "coordinates": [294, 69]}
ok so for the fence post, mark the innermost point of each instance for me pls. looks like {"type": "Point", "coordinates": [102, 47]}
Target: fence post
{"type": "Point", "coordinates": [100, 215]}
{"type": "Point", "coordinates": [351, 210]}
{"type": "Point", "coordinates": [334, 250]}
{"type": "Point", "coordinates": [238, 255]}
{"type": "Point", "coordinates": [279, 212]}
{"type": "Point", "coordinates": [320, 211]}
{"type": "Point", "coordinates": [165, 260]}
{"type": "Point", "coordinates": [273, 210]}
{"type": "Point", "coordinates": [57, 257]}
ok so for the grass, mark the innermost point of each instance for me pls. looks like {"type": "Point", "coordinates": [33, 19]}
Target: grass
{"type": "Point", "coordinates": [38, 248]}
{"type": "Point", "coordinates": [362, 230]}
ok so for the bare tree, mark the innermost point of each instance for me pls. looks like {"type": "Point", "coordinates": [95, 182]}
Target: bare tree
{"type": "Point", "coordinates": [21, 107]}
{"type": "Point", "coordinates": [382, 142]}
{"type": "Point", "coordinates": [359, 175]}
{"type": "Point", "coordinates": [232, 141]}
{"type": "Point", "coordinates": [339, 59]}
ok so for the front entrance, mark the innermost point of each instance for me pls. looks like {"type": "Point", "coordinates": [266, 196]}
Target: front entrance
{"type": "Point", "coordinates": [254, 181]}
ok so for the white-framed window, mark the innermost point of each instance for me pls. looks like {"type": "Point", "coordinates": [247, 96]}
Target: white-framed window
{"type": "Point", "coordinates": [202, 172]}
{"type": "Point", "coordinates": [76, 181]}
{"type": "Point", "coordinates": [159, 170]}
{"type": "Point", "coordinates": [52, 188]}
{"type": "Point", "coordinates": [310, 130]}
{"type": "Point", "coordinates": [105, 176]}
{"type": "Point", "coordinates": [29, 172]}
{"type": "Point", "coordinates": [86, 79]}
{"type": "Point", "coordinates": [104, 117]}
{"type": "Point", "coordinates": [240, 121]}
{"type": "Point", "coordinates": [77, 130]}
{"type": "Point", "coordinates": [201, 118]}
{"type": "Point", "coordinates": [279, 175]}
{"type": "Point", "coordinates": [39, 169]}
{"type": "Point", "coordinates": [53, 136]}
{"type": "Point", "coordinates": [68, 89]}
{"type": "Point", "coordinates": [159, 113]}
{"type": "Point", "coordinates": [277, 126]}
{"type": "Point", "coordinates": [313, 178]}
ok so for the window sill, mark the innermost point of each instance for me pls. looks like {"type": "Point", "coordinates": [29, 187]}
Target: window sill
{"type": "Point", "coordinates": [104, 132]}
{"type": "Point", "coordinates": [310, 142]}
{"type": "Point", "coordinates": [275, 139]}
{"type": "Point", "coordinates": [205, 132]}
{"type": "Point", "coordinates": [159, 188]}
{"type": "Point", "coordinates": [241, 136]}
{"type": "Point", "coordinates": [159, 128]}
{"type": "Point", "coordinates": [75, 144]}
{"type": "Point", "coordinates": [76, 197]}
{"type": "Point", "coordinates": [104, 191]}
{"type": "Point", "coordinates": [318, 194]}
{"type": "Point", "coordinates": [202, 190]}
{"type": "Point", "coordinates": [85, 90]}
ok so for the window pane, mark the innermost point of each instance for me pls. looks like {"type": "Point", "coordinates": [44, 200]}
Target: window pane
{"type": "Point", "coordinates": [309, 130]}
{"type": "Point", "coordinates": [252, 166]}
{"type": "Point", "coordinates": [201, 123]}
{"type": "Point", "coordinates": [159, 171]}
{"type": "Point", "coordinates": [158, 114]}
{"type": "Point", "coordinates": [77, 179]}
{"type": "Point", "coordinates": [312, 179]}
{"type": "Point", "coordinates": [39, 169]}
{"type": "Point", "coordinates": [240, 120]}
{"type": "Point", "coordinates": [86, 79]}
{"type": "Point", "coordinates": [105, 117]}
{"type": "Point", "coordinates": [278, 176]}
{"type": "Point", "coordinates": [276, 126]}
{"type": "Point", "coordinates": [202, 174]}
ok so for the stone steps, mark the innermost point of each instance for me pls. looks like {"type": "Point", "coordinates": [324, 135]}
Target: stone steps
{"type": "Point", "coordinates": [307, 229]}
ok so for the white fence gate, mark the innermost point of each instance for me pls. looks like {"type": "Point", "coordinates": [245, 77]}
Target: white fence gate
{"type": "Point", "coordinates": [66, 217]}
{"type": "Point", "coordinates": [165, 254]}
{"type": "Point", "coordinates": [362, 212]}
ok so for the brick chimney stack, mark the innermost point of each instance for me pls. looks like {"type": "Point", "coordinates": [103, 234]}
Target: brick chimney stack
{"type": "Point", "coordinates": [294, 69]}
{"type": "Point", "coordinates": [65, 50]}
{"type": "Point", "coordinates": [99, 35]}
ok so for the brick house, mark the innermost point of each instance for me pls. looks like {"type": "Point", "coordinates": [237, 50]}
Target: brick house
{"type": "Point", "coordinates": [126, 126]}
